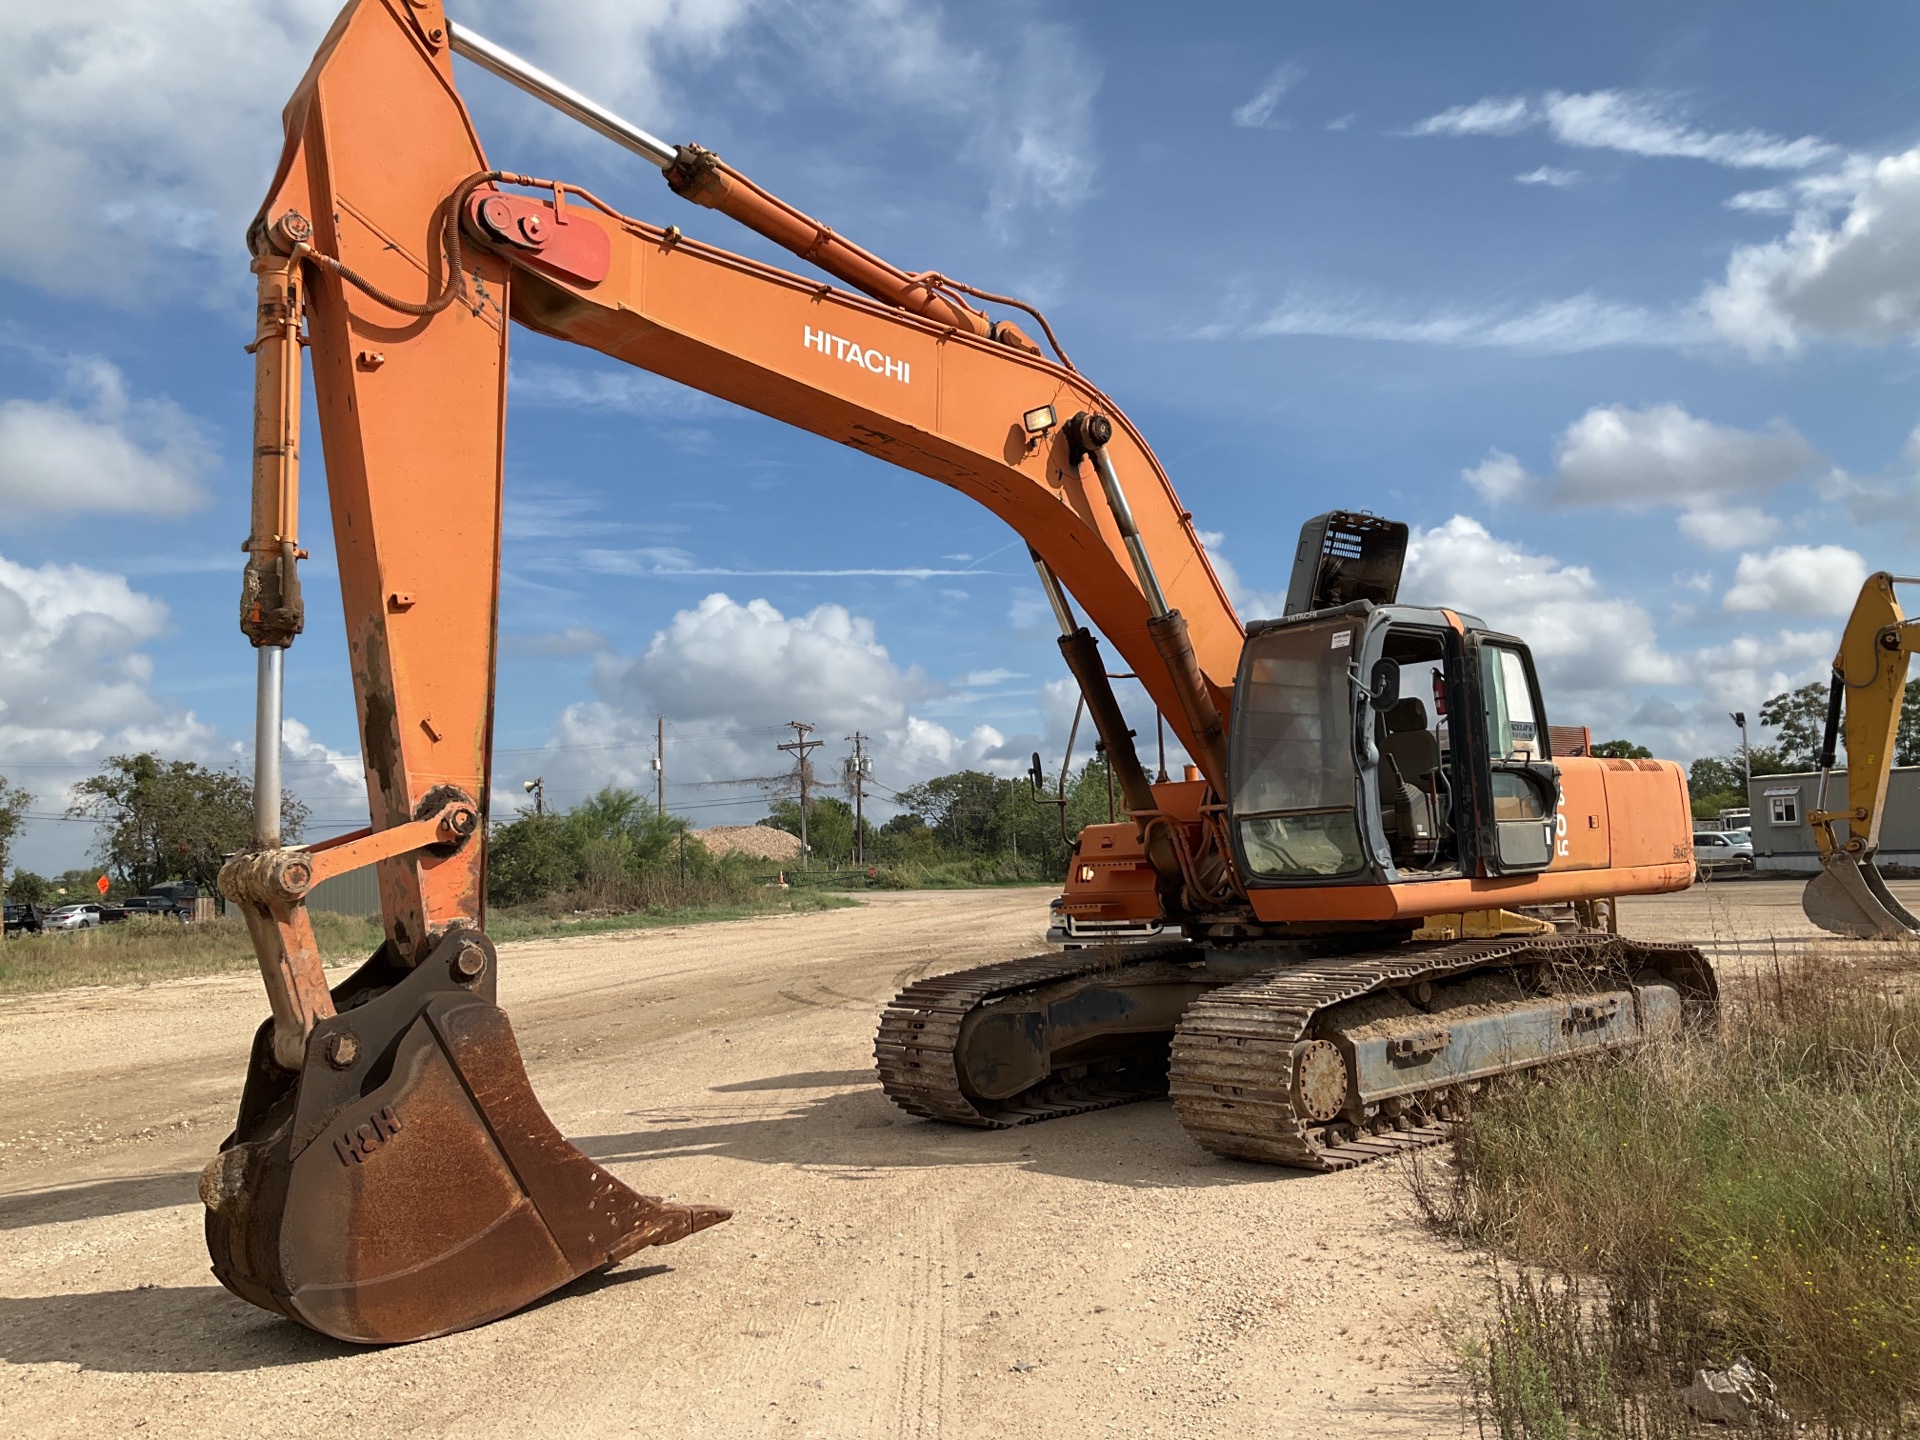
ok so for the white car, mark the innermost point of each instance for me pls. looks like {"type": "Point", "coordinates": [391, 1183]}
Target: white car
{"type": "Point", "coordinates": [75, 917]}
{"type": "Point", "coordinates": [1721, 850]}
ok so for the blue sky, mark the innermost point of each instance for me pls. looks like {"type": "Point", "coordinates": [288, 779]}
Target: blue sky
{"type": "Point", "coordinates": [1616, 306]}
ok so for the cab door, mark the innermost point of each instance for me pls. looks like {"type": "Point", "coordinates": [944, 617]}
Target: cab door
{"type": "Point", "coordinates": [1516, 786]}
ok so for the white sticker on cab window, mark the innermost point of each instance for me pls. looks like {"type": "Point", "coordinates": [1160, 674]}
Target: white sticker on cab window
{"type": "Point", "coordinates": [1341, 639]}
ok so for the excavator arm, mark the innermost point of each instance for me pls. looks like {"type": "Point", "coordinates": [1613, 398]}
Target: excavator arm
{"type": "Point", "coordinates": [391, 1175]}
{"type": "Point", "coordinates": [1849, 895]}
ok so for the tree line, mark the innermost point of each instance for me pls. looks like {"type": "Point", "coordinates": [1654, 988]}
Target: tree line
{"type": "Point", "coordinates": [992, 823]}
{"type": "Point", "coordinates": [156, 820]}
{"type": "Point", "coordinates": [1798, 719]}
{"type": "Point", "coordinates": [615, 849]}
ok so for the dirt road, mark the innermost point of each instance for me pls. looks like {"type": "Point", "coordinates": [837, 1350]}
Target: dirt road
{"type": "Point", "coordinates": [881, 1277]}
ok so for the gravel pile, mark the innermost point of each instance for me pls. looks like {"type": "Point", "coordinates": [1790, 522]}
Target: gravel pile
{"type": "Point", "coordinates": [762, 842]}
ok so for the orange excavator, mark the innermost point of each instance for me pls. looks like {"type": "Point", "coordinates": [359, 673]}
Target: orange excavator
{"type": "Point", "coordinates": [1337, 883]}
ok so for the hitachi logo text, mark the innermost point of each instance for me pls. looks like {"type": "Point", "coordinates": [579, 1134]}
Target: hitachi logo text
{"type": "Point", "coordinates": [837, 347]}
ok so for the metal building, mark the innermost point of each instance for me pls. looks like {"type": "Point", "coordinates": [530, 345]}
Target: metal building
{"type": "Point", "coordinates": [355, 893]}
{"type": "Point", "coordinates": [1783, 840]}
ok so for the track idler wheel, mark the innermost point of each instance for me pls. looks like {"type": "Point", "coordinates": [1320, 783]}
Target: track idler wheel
{"type": "Point", "coordinates": [405, 1182]}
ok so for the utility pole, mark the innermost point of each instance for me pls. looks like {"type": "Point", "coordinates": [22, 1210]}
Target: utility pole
{"type": "Point", "coordinates": [1013, 823]}
{"type": "Point", "coordinates": [859, 796]}
{"type": "Point", "coordinates": [1739, 717]}
{"type": "Point", "coordinates": [799, 746]}
{"type": "Point", "coordinates": [537, 787]}
{"type": "Point", "coordinates": [660, 764]}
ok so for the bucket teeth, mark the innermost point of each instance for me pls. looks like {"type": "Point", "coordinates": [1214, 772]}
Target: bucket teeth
{"type": "Point", "coordinates": [419, 1189]}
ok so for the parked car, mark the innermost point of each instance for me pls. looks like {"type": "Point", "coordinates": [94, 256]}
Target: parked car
{"type": "Point", "coordinates": [165, 907]}
{"type": "Point", "coordinates": [83, 917]}
{"type": "Point", "coordinates": [172, 898]}
{"type": "Point", "coordinates": [23, 920]}
{"type": "Point", "coordinates": [1715, 850]}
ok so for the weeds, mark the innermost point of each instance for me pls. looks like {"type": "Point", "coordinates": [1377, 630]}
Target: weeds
{"type": "Point", "coordinates": [1753, 1191]}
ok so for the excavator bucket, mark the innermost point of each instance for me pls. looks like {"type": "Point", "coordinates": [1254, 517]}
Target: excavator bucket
{"type": "Point", "coordinates": [1850, 897]}
{"type": "Point", "coordinates": [405, 1182]}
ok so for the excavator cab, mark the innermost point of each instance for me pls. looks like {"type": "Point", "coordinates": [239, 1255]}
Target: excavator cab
{"type": "Point", "coordinates": [1381, 742]}
{"type": "Point", "coordinates": [1388, 743]}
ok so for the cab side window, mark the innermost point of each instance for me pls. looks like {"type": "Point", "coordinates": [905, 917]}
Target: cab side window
{"type": "Point", "coordinates": [1513, 733]}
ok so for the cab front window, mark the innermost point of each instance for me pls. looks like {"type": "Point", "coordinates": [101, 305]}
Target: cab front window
{"type": "Point", "coordinates": [1294, 778]}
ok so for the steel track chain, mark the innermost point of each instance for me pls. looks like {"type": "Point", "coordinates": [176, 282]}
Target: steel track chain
{"type": "Point", "coordinates": [1232, 1074]}
{"type": "Point", "coordinates": [920, 1032]}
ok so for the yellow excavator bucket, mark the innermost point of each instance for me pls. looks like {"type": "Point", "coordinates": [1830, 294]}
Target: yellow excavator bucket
{"type": "Point", "coordinates": [1850, 897]}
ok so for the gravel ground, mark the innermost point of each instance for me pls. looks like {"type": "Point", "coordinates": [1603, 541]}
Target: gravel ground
{"type": "Point", "coordinates": [881, 1277]}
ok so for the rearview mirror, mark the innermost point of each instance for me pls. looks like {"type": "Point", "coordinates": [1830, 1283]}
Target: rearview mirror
{"type": "Point", "coordinates": [1383, 689]}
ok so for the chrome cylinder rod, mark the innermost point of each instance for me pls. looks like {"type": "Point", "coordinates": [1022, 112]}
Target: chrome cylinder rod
{"type": "Point", "coordinates": [1129, 532]}
{"type": "Point", "coordinates": [564, 98]}
{"type": "Point", "coordinates": [1056, 596]}
{"type": "Point", "coordinates": [266, 747]}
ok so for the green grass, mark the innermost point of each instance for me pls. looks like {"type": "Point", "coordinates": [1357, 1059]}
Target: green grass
{"type": "Point", "coordinates": [1755, 1191]}
{"type": "Point", "coordinates": [142, 951]}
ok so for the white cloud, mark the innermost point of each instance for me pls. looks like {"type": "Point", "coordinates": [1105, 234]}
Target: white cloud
{"type": "Point", "coordinates": [1647, 125]}
{"type": "Point", "coordinates": [1774, 200]}
{"type": "Point", "coordinates": [1852, 278]}
{"type": "Point", "coordinates": [1630, 122]}
{"type": "Point", "coordinates": [333, 783]}
{"type": "Point", "coordinates": [152, 126]}
{"type": "Point", "coordinates": [70, 667]}
{"type": "Point", "coordinates": [1636, 459]}
{"type": "Point", "coordinates": [149, 127]}
{"type": "Point", "coordinates": [1498, 477]}
{"type": "Point", "coordinates": [1741, 672]}
{"type": "Point", "coordinates": [1483, 117]}
{"type": "Point", "coordinates": [1797, 580]}
{"type": "Point", "coordinates": [96, 450]}
{"type": "Point", "coordinates": [1257, 113]}
{"type": "Point", "coordinates": [723, 658]}
{"type": "Point", "coordinates": [1890, 497]}
{"type": "Point", "coordinates": [1729, 527]}
{"type": "Point", "coordinates": [76, 686]}
{"type": "Point", "coordinates": [1341, 122]}
{"type": "Point", "coordinates": [1588, 644]}
{"type": "Point", "coordinates": [1549, 327]}
{"type": "Point", "coordinates": [1017, 115]}
{"type": "Point", "coordinates": [1617, 454]}
{"type": "Point", "coordinates": [729, 676]}
{"type": "Point", "coordinates": [1548, 175]}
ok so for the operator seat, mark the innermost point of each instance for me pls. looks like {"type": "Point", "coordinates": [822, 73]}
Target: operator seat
{"type": "Point", "coordinates": [1410, 808]}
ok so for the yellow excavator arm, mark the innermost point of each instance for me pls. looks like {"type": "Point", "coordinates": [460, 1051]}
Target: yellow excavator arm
{"type": "Point", "coordinates": [1849, 896]}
